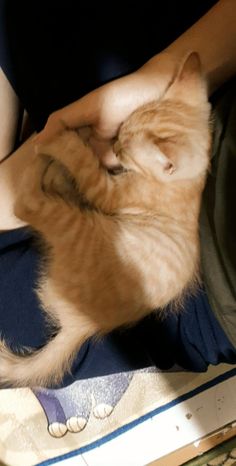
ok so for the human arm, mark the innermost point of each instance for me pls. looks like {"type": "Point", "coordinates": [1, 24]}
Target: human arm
{"type": "Point", "coordinates": [213, 37]}
{"type": "Point", "coordinates": [11, 171]}
{"type": "Point", "coordinates": [9, 114]}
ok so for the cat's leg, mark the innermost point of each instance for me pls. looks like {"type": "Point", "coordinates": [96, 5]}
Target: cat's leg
{"type": "Point", "coordinates": [30, 195]}
{"type": "Point", "coordinates": [107, 392]}
{"type": "Point", "coordinates": [67, 408]}
{"type": "Point", "coordinates": [77, 404]}
{"type": "Point", "coordinates": [93, 180]}
{"type": "Point", "coordinates": [53, 408]}
{"type": "Point", "coordinates": [37, 200]}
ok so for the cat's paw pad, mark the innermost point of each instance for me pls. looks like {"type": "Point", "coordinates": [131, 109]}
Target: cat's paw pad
{"type": "Point", "coordinates": [76, 423]}
{"type": "Point", "coordinates": [57, 429]}
{"type": "Point", "coordinates": [102, 410]}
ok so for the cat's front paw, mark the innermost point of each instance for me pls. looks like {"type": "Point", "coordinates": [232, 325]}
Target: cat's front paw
{"type": "Point", "coordinates": [57, 429]}
{"type": "Point", "coordinates": [102, 410]}
{"type": "Point", "coordinates": [67, 144]}
{"type": "Point", "coordinates": [76, 423]}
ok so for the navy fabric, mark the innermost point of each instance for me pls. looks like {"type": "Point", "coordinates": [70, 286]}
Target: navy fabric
{"type": "Point", "coordinates": [21, 322]}
{"type": "Point", "coordinates": [47, 57]}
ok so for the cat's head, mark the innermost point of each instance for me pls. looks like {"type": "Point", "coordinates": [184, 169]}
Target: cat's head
{"type": "Point", "coordinates": [170, 138]}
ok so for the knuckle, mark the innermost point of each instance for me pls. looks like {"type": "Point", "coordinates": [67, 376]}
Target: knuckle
{"type": "Point", "coordinates": [53, 117]}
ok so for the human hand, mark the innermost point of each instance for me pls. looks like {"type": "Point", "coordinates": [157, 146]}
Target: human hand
{"type": "Point", "coordinates": [105, 108]}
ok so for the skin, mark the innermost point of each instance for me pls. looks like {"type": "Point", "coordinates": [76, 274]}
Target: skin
{"type": "Point", "coordinates": [9, 114]}
{"type": "Point", "coordinates": [105, 108]}
{"type": "Point", "coordinates": [10, 174]}
{"type": "Point", "coordinates": [213, 37]}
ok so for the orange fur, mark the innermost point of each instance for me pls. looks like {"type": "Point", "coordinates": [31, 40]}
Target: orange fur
{"type": "Point", "coordinates": [119, 246]}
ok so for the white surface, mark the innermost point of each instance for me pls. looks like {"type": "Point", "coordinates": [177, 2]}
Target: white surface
{"type": "Point", "coordinates": [174, 428]}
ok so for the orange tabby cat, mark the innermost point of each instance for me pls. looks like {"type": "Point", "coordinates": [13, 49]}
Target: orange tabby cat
{"type": "Point", "coordinates": [119, 245]}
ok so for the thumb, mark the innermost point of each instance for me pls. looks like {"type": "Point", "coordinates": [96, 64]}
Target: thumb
{"type": "Point", "coordinates": [83, 112]}
{"type": "Point", "coordinates": [54, 126]}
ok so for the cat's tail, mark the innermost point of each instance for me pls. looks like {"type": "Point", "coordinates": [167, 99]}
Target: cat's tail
{"type": "Point", "coordinates": [44, 367]}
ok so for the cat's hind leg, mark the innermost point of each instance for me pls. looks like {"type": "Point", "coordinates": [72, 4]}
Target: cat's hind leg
{"type": "Point", "coordinates": [30, 195]}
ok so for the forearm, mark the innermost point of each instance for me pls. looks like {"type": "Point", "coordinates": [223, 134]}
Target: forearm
{"type": "Point", "coordinates": [214, 38]}
{"type": "Point", "coordinates": [11, 171]}
{"type": "Point", "coordinates": [9, 114]}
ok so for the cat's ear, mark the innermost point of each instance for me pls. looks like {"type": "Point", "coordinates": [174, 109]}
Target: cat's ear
{"type": "Point", "coordinates": [189, 85]}
{"type": "Point", "coordinates": [163, 154]}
